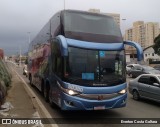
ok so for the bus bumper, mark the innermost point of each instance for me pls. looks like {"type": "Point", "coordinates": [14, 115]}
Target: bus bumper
{"type": "Point", "coordinates": [75, 103]}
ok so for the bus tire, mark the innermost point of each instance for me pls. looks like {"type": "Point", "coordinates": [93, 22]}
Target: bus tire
{"type": "Point", "coordinates": [42, 87]}
{"type": "Point", "coordinates": [46, 92]}
{"type": "Point", "coordinates": [30, 80]}
{"type": "Point", "coordinates": [50, 100]}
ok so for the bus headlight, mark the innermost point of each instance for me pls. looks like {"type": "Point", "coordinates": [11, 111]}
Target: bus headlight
{"type": "Point", "coordinates": [72, 93]}
{"type": "Point", "coordinates": [69, 91]}
{"type": "Point", "coordinates": [122, 91]}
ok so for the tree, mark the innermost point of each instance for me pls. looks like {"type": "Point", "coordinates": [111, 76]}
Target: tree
{"type": "Point", "coordinates": [156, 45]}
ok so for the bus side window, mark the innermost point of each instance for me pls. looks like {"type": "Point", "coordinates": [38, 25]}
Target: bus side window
{"type": "Point", "coordinates": [56, 58]}
{"type": "Point", "coordinates": [59, 66]}
{"type": "Point", "coordinates": [53, 54]}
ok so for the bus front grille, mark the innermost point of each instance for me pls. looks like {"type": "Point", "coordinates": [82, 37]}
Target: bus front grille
{"type": "Point", "coordinates": [98, 96]}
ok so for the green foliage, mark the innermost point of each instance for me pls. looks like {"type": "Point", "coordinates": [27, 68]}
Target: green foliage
{"type": "Point", "coordinates": [4, 74]}
{"type": "Point", "coordinates": [156, 45]}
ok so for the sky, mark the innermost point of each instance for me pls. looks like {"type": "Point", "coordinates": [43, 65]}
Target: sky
{"type": "Point", "coordinates": [18, 17]}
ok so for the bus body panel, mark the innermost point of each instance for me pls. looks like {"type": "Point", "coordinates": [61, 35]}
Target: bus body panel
{"type": "Point", "coordinates": [94, 97]}
{"type": "Point", "coordinates": [50, 70]}
{"type": "Point", "coordinates": [75, 103]}
{"type": "Point", "coordinates": [95, 89]}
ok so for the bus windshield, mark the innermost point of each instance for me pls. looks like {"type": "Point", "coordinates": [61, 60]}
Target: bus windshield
{"type": "Point", "coordinates": [95, 68]}
{"type": "Point", "coordinates": [91, 27]}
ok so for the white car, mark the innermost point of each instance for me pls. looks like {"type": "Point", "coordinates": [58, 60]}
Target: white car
{"type": "Point", "coordinates": [129, 67]}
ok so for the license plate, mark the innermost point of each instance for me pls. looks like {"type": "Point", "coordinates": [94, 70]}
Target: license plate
{"type": "Point", "coordinates": [99, 108]}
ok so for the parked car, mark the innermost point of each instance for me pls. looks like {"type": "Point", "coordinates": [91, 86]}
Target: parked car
{"type": "Point", "coordinates": [129, 67]}
{"type": "Point", "coordinates": [157, 67]}
{"type": "Point", "coordinates": [145, 86]}
{"type": "Point", "coordinates": [142, 69]}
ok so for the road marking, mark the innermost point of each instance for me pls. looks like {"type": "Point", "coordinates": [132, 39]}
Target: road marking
{"type": "Point", "coordinates": [45, 111]}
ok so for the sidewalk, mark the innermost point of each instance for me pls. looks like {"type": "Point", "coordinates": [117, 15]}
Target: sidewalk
{"type": "Point", "coordinates": [18, 103]}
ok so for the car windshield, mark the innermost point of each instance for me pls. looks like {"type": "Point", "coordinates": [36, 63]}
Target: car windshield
{"type": "Point", "coordinates": [91, 27]}
{"type": "Point", "coordinates": [95, 68]}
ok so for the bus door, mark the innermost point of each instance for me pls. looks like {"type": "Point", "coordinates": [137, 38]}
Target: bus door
{"type": "Point", "coordinates": [56, 70]}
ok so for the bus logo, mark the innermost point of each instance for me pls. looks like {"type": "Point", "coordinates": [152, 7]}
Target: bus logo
{"type": "Point", "coordinates": [100, 97]}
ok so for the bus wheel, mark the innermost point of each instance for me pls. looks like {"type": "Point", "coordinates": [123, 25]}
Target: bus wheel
{"type": "Point", "coordinates": [42, 88]}
{"type": "Point", "coordinates": [49, 98]}
{"type": "Point", "coordinates": [52, 104]}
{"type": "Point", "coordinates": [30, 80]}
{"type": "Point", "coordinates": [46, 93]}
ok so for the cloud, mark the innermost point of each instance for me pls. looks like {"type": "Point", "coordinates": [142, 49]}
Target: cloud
{"type": "Point", "coordinates": [17, 17]}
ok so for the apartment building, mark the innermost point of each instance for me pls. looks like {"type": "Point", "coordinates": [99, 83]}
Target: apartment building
{"type": "Point", "coordinates": [129, 34]}
{"type": "Point", "coordinates": [143, 33]}
{"type": "Point", "coordinates": [114, 15]}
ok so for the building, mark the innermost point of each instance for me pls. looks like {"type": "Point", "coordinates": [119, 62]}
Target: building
{"type": "Point", "coordinates": [139, 33]}
{"type": "Point", "coordinates": [114, 15]}
{"type": "Point", "coordinates": [129, 34]}
{"type": "Point", "coordinates": [143, 33]}
{"type": "Point", "coordinates": [151, 31]}
{"type": "Point", "coordinates": [149, 55]}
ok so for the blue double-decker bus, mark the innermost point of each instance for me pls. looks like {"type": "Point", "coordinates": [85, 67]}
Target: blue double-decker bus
{"type": "Point", "coordinates": [81, 65]}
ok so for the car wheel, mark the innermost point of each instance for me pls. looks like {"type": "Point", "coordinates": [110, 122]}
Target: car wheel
{"type": "Point", "coordinates": [135, 95]}
{"type": "Point", "coordinates": [131, 75]}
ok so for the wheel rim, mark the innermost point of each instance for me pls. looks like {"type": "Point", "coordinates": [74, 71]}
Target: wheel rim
{"type": "Point", "coordinates": [131, 75]}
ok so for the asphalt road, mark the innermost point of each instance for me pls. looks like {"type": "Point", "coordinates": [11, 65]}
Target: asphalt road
{"type": "Point", "coordinates": [134, 109]}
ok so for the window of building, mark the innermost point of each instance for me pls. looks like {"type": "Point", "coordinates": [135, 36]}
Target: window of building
{"type": "Point", "coordinates": [152, 54]}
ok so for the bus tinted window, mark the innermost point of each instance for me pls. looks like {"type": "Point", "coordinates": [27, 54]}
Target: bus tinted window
{"type": "Point", "coordinates": [85, 26]}
{"type": "Point", "coordinates": [95, 68]}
